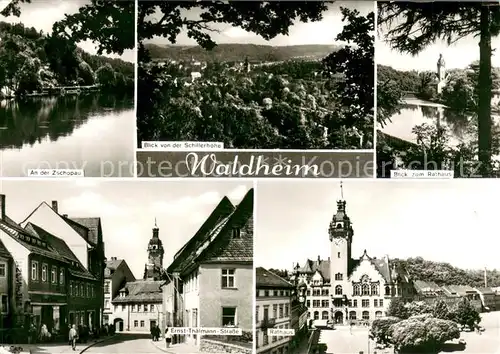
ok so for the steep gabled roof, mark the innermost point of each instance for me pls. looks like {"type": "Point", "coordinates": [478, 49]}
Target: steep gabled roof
{"type": "Point", "coordinates": [141, 291]}
{"type": "Point", "coordinates": [322, 266]}
{"type": "Point", "coordinates": [92, 224]}
{"type": "Point", "coordinates": [4, 252]}
{"type": "Point", "coordinates": [113, 264]}
{"type": "Point", "coordinates": [186, 254]}
{"type": "Point", "coordinates": [267, 279]}
{"type": "Point", "coordinates": [222, 246]}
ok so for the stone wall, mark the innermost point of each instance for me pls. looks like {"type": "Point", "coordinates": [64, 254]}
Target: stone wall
{"type": "Point", "coordinates": [216, 347]}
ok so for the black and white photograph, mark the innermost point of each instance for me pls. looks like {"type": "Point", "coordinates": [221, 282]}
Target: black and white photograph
{"type": "Point", "coordinates": [438, 88]}
{"type": "Point", "coordinates": [257, 74]}
{"type": "Point", "coordinates": [377, 266]}
{"type": "Point", "coordinates": [115, 266]}
{"type": "Point", "coordinates": [67, 87]}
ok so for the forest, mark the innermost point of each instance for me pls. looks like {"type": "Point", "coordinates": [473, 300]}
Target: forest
{"type": "Point", "coordinates": [31, 60]}
{"type": "Point", "coordinates": [290, 104]}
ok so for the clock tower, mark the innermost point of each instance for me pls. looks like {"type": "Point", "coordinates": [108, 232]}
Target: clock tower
{"type": "Point", "coordinates": [340, 233]}
{"type": "Point", "coordinates": [154, 267]}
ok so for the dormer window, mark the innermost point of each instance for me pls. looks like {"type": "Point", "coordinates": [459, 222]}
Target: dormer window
{"type": "Point", "coordinates": [339, 225]}
{"type": "Point", "coordinates": [154, 247]}
{"type": "Point", "coordinates": [236, 233]}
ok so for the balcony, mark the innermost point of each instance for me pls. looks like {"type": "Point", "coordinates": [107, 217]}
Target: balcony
{"type": "Point", "coordinates": [267, 323]}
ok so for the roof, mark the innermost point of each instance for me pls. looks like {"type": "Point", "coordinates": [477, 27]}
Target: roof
{"type": "Point", "coordinates": [485, 291]}
{"type": "Point", "coordinates": [92, 224]}
{"type": "Point", "coordinates": [267, 279]}
{"type": "Point", "coordinates": [426, 286]}
{"type": "Point", "coordinates": [113, 263]}
{"type": "Point", "coordinates": [4, 252]}
{"type": "Point", "coordinates": [141, 291]}
{"type": "Point", "coordinates": [387, 269]}
{"type": "Point", "coordinates": [62, 249]}
{"type": "Point", "coordinates": [214, 242]}
{"type": "Point", "coordinates": [459, 290]}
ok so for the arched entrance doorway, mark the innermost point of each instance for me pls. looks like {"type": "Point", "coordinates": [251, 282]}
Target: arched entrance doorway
{"type": "Point", "coordinates": [118, 322]}
{"type": "Point", "coordinates": [339, 317]}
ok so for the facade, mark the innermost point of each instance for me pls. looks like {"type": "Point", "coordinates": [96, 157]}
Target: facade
{"type": "Point", "coordinates": [84, 238]}
{"type": "Point", "coordinates": [209, 282]}
{"type": "Point", "coordinates": [116, 275]}
{"type": "Point", "coordinates": [6, 286]}
{"type": "Point", "coordinates": [138, 306]}
{"type": "Point", "coordinates": [50, 285]}
{"type": "Point", "coordinates": [272, 310]}
{"type": "Point", "coordinates": [342, 289]}
{"type": "Point", "coordinates": [488, 298]}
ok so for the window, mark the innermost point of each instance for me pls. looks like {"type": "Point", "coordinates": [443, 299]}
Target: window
{"type": "Point", "coordinates": [387, 291]}
{"type": "Point", "coordinates": [77, 290]}
{"type": "Point", "coordinates": [338, 290]}
{"type": "Point", "coordinates": [53, 275]}
{"type": "Point", "coordinates": [324, 315]}
{"type": "Point", "coordinates": [106, 304]}
{"type": "Point", "coordinates": [378, 314]}
{"type": "Point", "coordinates": [145, 308]}
{"type": "Point", "coordinates": [375, 303]}
{"type": "Point", "coordinates": [338, 254]}
{"type": "Point", "coordinates": [133, 308]}
{"type": "Point", "coordinates": [366, 315]}
{"type": "Point", "coordinates": [281, 311]}
{"type": "Point", "coordinates": [152, 308]}
{"type": "Point", "coordinates": [275, 310]}
{"type": "Point", "coordinates": [365, 289]}
{"type": "Point", "coordinates": [81, 290]}
{"type": "Point", "coordinates": [136, 323]}
{"type": "Point", "coordinates": [88, 290]}
{"type": "Point", "coordinates": [142, 323]}
{"type": "Point", "coordinates": [308, 303]}
{"type": "Point", "coordinates": [266, 339]}
{"type": "Point", "coordinates": [381, 303]}
{"type": "Point", "coordinates": [352, 315]}
{"type": "Point", "coordinates": [228, 316]}
{"type": "Point", "coordinates": [44, 272]}
{"type": "Point", "coordinates": [123, 307]}
{"type": "Point", "coordinates": [287, 309]}
{"type": "Point", "coordinates": [365, 303]}
{"type": "Point", "coordinates": [374, 289]}
{"type": "Point", "coordinates": [236, 233]}
{"type": "Point", "coordinates": [3, 270]}
{"type": "Point", "coordinates": [316, 315]}
{"type": "Point", "coordinates": [106, 287]}
{"type": "Point", "coordinates": [256, 314]}
{"type": "Point", "coordinates": [34, 270]}
{"type": "Point", "coordinates": [356, 290]}
{"type": "Point", "coordinates": [227, 278]}
{"type": "Point", "coordinates": [338, 276]}
{"type": "Point", "coordinates": [61, 277]}
{"type": "Point", "coordinates": [354, 303]}
{"type": "Point", "coordinates": [5, 304]}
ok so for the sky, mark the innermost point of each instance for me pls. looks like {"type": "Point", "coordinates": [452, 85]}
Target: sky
{"type": "Point", "coordinates": [457, 56]}
{"type": "Point", "coordinates": [450, 220]}
{"type": "Point", "coordinates": [128, 209]}
{"type": "Point", "coordinates": [42, 14]}
{"type": "Point", "coordinates": [322, 32]}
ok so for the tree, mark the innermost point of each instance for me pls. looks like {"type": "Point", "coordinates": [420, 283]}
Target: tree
{"type": "Point", "coordinates": [61, 55]}
{"type": "Point", "coordinates": [108, 24]}
{"type": "Point", "coordinates": [441, 310]}
{"type": "Point", "coordinates": [267, 19]}
{"type": "Point", "coordinates": [423, 334]}
{"type": "Point", "coordinates": [106, 76]}
{"type": "Point", "coordinates": [465, 314]}
{"type": "Point", "coordinates": [388, 101]}
{"type": "Point", "coordinates": [397, 309]}
{"type": "Point", "coordinates": [422, 23]}
{"type": "Point", "coordinates": [380, 330]}
{"type": "Point", "coordinates": [416, 308]}
{"type": "Point", "coordinates": [355, 62]}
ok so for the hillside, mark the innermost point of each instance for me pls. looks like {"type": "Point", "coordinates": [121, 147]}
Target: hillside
{"type": "Point", "coordinates": [238, 52]}
{"type": "Point", "coordinates": [446, 274]}
{"type": "Point", "coordinates": [31, 60]}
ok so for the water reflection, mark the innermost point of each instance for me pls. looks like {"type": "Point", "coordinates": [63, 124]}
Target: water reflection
{"type": "Point", "coordinates": [460, 126]}
{"type": "Point", "coordinates": [85, 130]}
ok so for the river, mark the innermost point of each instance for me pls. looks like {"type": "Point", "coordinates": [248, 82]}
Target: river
{"type": "Point", "coordinates": [93, 132]}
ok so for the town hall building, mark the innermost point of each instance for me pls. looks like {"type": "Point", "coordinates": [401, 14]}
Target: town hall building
{"type": "Point", "coordinates": [344, 290]}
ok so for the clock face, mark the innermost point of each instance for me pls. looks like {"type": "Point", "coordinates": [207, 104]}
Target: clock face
{"type": "Point", "coordinates": [338, 241]}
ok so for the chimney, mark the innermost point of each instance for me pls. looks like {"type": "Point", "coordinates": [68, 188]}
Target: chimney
{"type": "Point", "coordinates": [2, 206]}
{"type": "Point", "coordinates": [319, 259]}
{"type": "Point", "coordinates": [54, 206]}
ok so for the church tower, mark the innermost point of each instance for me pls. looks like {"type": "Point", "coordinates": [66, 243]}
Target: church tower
{"type": "Point", "coordinates": [155, 256]}
{"type": "Point", "coordinates": [341, 233]}
{"type": "Point", "coordinates": [441, 73]}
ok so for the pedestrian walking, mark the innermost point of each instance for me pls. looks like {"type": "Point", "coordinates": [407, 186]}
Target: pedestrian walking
{"type": "Point", "coordinates": [73, 336]}
{"type": "Point", "coordinates": [168, 337]}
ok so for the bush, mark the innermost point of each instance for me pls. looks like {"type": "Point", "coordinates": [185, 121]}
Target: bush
{"type": "Point", "coordinates": [423, 334]}
{"type": "Point", "coordinates": [380, 330]}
